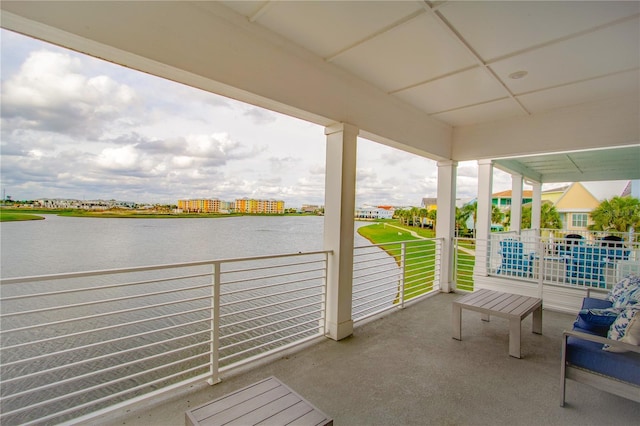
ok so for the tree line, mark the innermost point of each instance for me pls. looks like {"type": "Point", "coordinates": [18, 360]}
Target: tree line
{"type": "Point", "coordinates": [619, 214]}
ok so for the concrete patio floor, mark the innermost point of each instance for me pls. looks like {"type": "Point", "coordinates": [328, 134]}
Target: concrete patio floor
{"type": "Point", "coordinates": [405, 369]}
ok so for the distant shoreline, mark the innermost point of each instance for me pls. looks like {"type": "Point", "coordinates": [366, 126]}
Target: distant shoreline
{"type": "Point", "coordinates": [11, 215]}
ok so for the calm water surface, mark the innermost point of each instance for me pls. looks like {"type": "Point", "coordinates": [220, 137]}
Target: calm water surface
{"type": "Point", "coordinates": [68, 244]}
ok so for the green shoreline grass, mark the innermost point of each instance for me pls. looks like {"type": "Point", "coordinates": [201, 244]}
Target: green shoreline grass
{"type": "Point", "coordinates": [18, 217]}
{"type": "Point", "coordinates": [420, 270]}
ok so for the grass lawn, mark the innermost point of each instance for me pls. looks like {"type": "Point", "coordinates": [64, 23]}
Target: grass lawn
{"type": "Point", "coordinates": [420, 259]}
{"type": "Point", "coordinates": [14, 217]}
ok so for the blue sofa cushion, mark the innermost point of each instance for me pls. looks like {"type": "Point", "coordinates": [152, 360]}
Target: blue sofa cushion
{"type": "Point", "coordinates": [593, 303]}
{"type": "Point", "coordinates": [623, 366]}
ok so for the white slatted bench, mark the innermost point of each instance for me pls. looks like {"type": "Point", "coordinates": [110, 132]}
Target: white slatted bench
{"type": "Point", "coordinates": [268, 402]}
{"type": "Point", "coordinates": [510, 306]}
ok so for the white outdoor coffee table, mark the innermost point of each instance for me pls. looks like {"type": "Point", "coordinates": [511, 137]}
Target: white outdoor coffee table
{"type": "Point", "coordinates": [506, 305]}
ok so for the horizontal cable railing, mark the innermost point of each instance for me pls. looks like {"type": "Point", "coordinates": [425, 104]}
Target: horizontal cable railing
{"type": "Point", "coordinates": [386, 275]}
{"type": "Point", "coordinates": [464, 259]}
{"type": "Point", "coordinates": [73, 344]}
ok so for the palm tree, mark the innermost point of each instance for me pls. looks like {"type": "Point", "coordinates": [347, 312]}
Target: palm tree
{"type": "Point", "coordinates": [497, 216]}
{"type": "Point", "coordinates": [617, 214]}
{"type": "Point", "coordinates": [433, 216]}
{"type": "Point", "coordinates": [403, 216]}
{"type": "Point", "coordinates": [415, 212]}
{"type": "Point", "coordinates": [423, 215]}
{"type": "Point", "coordinates": [549, 216]}
{"type": "Point", "coordinates": [471, 210]}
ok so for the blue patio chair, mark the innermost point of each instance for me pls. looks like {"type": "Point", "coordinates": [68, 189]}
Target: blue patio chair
{"type": "Point", "coordinates": [570, 241]}
{"type": "Point", "coordinates": [514, 262]}
{"type": "Point", "coordinates": [615, 248]}
{"type": "Point", "coordinates": [587, 266]}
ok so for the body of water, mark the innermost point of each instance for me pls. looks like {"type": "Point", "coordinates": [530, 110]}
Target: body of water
{"type": "Point", "coordinates": [68, 244]}
{"type": "Point", "coordinates": [96, 339]}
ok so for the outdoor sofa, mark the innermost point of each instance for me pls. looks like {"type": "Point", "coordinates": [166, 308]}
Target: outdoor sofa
{"type": "Point", "coordinates": [603, 348]}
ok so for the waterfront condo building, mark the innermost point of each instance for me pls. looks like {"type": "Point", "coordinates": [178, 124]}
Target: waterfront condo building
{"type": "Point", "coordinates": [199, 206]}
{"type": "Point", "coordinates": [246, 205]}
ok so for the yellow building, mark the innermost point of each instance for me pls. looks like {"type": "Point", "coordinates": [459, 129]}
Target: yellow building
{"type": "Point", "coordinates": [199, 205]}
{"type": "Point", "coordinates": [253, 206]}
{"type": "Point", "coordinates": [575, 206]}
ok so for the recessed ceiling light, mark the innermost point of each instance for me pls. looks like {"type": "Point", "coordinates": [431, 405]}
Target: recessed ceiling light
{"type": "Point", "coordinates": [518, 74]}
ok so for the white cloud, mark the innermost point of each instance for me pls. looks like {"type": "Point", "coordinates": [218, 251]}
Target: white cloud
{"type": "Point", "coordinates": [50, 93]}
{"type": "Point", "coordinates": [77, 127]}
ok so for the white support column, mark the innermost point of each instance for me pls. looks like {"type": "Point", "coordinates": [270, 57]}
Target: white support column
{"type": "Point", "coordinates": [536, 205]}
{"type": "Point", "coordinates": [483, 216]}
{"type": "Point", "coordinates": [339, 208]}
{"type": "Point", "coordinates": [445, 223]}
{"type": "Point", "coordinates": [516, 203]}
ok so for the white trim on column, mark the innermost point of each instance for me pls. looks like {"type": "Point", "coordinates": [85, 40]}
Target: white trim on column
{"type": "Point", "coordinates": [445, 223]}
{"type": "Point", "coordinates": [536, 205]}
{"type": "Point", "coordinates": [340, 195]}
{"type": "Point", "coordinates": [483, 217]}
{"type": "Point", "coordinates": [516, 202]}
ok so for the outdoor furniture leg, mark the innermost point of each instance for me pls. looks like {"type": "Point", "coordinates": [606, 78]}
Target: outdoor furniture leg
{"type": "Point", "coordinates": [537, 321]}
{"type": "Point", "coordinates": [457, 322]}
{"type": "Point", "coordinates": [514, 337]}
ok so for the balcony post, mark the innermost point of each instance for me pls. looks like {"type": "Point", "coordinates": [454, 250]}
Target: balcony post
{"type": "Point", "coordinates": [483, 218]}
{"type": "Point", "coordinates": [536, 205]}
{"type": "Point", "coordinates": [516, 203]}
{"type": "Point", "coordinates": [446, 223]}
{"type": "Point", "coordinates": [339, 208]}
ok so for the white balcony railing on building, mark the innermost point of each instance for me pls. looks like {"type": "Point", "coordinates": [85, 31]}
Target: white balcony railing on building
{"type": "Point", "coordinates": [577, 260]}
{"type": "Point", "coordinates": [75, 346]}
{"type": "Point", "coordinates": [386, 275]}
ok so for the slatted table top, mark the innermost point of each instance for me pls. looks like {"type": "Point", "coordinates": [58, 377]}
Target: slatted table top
{"type": "Point", "coordinates": [268, 402]}
{"type": "Point", "coordinates": [501, 304]}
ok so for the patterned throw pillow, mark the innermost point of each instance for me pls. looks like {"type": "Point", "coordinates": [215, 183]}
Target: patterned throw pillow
{"type": "Point", "coordinates": [627, 298]}
{"type": "Point", "coordinates": [630, 283]}
{"type": "Point", "coordinates": [626, 328]}
{"type": "Point", "coordinates": [599, 317]}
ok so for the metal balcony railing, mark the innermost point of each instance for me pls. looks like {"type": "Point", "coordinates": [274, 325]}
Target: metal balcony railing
{"type": "Point", "coordinates": [73, 344]}
{"type": "Point", "coordinates": [386, 275]}
{"type": "Point", "coordinates": [464, 259]}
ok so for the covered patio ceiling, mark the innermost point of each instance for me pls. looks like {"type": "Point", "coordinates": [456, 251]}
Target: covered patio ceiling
{"type": "Point", "coordinates": [580, 166]}
{"type": "Point", "coordinates": [555, 84]}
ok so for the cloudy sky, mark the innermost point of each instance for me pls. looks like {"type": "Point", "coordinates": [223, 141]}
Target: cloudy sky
{"type": "Point", "coordinates": [78, 127]}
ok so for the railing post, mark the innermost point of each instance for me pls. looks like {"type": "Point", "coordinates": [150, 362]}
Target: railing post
{"type": "Point", "coordinates": [215, 326]}
{"type": "Point", "coordinates": [541, 251]}
{"type": "Point", "coordinates": [403, 254]}
{"type": "Point", "coordinates": [322, 326]}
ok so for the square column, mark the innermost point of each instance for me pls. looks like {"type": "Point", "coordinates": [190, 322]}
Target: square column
{"type": "Point", "coordinates": [516, 203]}
{"type": "Point", "coordinates": [445, 223]}
{"type": "Point", "coordinates": [536, 205]}
{"type": "Point", "coordinates": [339, 208]}
{"type": "Point", "coordinates": [483, 216]}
